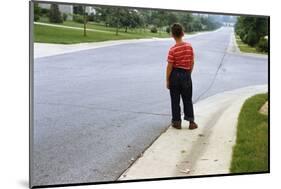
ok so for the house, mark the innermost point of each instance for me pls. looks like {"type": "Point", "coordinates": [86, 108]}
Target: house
{"type": "Point", "coordinates": [68, 9]}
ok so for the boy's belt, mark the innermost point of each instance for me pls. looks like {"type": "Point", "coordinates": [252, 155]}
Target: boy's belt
{"type": "Point", "coordinates": [181, 69]}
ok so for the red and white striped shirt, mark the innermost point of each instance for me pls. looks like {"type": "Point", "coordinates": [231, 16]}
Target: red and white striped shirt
{"type": "Point", "coordinates": [181, 56]}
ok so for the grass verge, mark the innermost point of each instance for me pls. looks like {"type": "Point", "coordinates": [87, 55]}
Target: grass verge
{"type": "Point", "coordinates": [250, 154]}
{"type": "Point", "coordinates": [245, 47]}
{"type": "Point", "coordinates": [50, 34]}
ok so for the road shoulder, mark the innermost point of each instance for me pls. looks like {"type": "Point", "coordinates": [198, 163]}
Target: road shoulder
{"type": "Point", "coordinates": [204, 151]}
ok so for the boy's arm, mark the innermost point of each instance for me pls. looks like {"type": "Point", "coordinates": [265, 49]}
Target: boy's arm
{"type": "Point", "coordinates": [192, 60]}
{"type": "Point", "coordinates": [192, 66]}
{"type": "Point", "coordinates": [168, 73]}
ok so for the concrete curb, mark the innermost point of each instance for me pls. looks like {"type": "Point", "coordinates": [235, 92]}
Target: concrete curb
{"type": "Point", "coordinates": [233, 46]}
{"type": "Point", "coordinates": [234, 49]}
{"type": "Point", "coordinates": [204, 151]}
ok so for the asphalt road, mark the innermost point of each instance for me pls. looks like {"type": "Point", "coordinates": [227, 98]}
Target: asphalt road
{"type": "Point", "coordinates": [96, 111]}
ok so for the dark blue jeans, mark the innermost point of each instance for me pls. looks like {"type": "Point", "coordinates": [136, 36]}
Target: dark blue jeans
{"type": "Point", "coordinates": [181, 86]}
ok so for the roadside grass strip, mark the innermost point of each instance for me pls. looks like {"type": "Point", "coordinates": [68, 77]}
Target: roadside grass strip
{"type": "Point", "coordinates": [246, 48]}
{"type": "Point", "coordinates": [73, 33]}
{"type": "Point", "coordinates": [250, 154]}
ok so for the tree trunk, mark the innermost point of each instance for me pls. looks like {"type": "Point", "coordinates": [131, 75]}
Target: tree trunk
{"type": "Point", "coordinates": [117, 28]}
{"type": "Point", "coordinates": [85, 21]}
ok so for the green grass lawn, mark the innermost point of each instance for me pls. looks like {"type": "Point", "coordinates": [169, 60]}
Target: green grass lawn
{"type": "Point", "coordinates": [49, 34]}
{"type": "Point", "coordinates": [99, 26]}
{"type": "Point", "coordinates": [250, 154]}
{"type": "Point", "coordinates": [246, 48]}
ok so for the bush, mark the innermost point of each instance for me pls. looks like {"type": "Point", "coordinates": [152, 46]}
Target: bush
{"type": "Point", "coordinates": [55, 15]}
{"type": "Point", "coordinates": [244, 38]}
{"type": "Point", "coordinates": [188, 28]}
{"type": "Point", "coordinates": [252, 38]}
{"type": "Point", "coordinates": [36, 17]}
{"type": "Point", "coordinates": [64, 16]}
{"type": "Point", "coordinates": [78, 18]}
{"type": "Point", "coordinates": [262, 45]}
{"type": "Point", "coordinates": [91, 17]}
{"type": "Point", "coordinates": [153, 30]}
{"type": "Point", "coordinates": [196, 26]}
{"type": "Point", "coordinates": [242, 35]}
{"type": "Point", "coordinates": [44, 12]}
{"type": "Point", "coordinates": [168, 29]}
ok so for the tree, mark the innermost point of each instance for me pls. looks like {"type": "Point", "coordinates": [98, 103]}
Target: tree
{"type": "Point", "coordinates": [251, 29]}
{"type": "Point", "coordinates": [116, 17]}
{"type": "Point", "coordinates": [157, 20]}
{"type": "Point", "coordinates": [120, 17]}
{"type": "Point", "coordinates": [196, 25]}
{"type": "Point", "coordinates": [110, 16]}
{"type": "Point", "coordinates": [146, 17]}
{"type": "Point", "coordinates": [125, 18]}
{"type": "Point", "coordinates": [141, 21]}
{"type": "Point", "coordinates": [130, 18]}
{"type": "Point", "coordinates": [172, 18]}
{"type": "Point", "coordinates": [100, 15]}
{"type": "Point", "coordinates": [186, 20]}
{"type": "Point", "coordinates": [210, 23]}
{"type": "Point", "coordinates": [54, 14]}
{"type": "Point", "coordinates": [163, 22]}
{"type": "Point", "coordinates": [135, 19]}
{"type": "Point", "coordinates": [81, 16]}
{"type": "Point", "coordinates": [79, 9]}
{"type": "Point", "coordinates": [37, 12]}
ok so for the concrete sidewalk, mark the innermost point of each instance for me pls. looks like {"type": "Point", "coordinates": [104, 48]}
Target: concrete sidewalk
{"type": "Point", "coordinates": [71, 27]}
{"type": "Point", "coordinates": [204, 151]}
{"type": "Point", "coordinates": [48, 49]}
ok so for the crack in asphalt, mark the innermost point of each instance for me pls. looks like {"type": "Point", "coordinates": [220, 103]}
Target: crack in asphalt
{"type": "Point", "coordinates": [214, 78]}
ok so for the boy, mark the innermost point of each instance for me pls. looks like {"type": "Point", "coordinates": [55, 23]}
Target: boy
{"type": "Point", "coordinates": [178, 78]}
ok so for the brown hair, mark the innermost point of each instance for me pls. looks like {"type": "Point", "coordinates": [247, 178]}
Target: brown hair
{"type": "Point", "coordinates": [177, 30]}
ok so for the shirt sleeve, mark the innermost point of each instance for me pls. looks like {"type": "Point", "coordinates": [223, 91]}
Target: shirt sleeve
{"type": "Point", "coordinates": [171, 57]}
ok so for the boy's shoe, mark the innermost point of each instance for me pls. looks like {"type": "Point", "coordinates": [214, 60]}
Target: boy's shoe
{"type": "Point", "coordinates": [193, 125]}
{"type": "Point", "coordinates": [176, 124]}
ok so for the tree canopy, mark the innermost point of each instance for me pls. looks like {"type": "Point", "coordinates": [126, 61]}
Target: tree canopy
{"type": "Point", "coordinates": [251, 29]}
{"type": "Point", "coordinates": [161, 19]}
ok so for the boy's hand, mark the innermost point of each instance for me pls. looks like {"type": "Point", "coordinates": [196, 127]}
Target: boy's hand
{"type": "Point", "coordinates": [167, 85]}
{"type": "Point", "coordinates": [168, 74]}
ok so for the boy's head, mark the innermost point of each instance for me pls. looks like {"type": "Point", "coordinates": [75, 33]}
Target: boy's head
{"type": "Point", "coordinates": [177, 31]}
